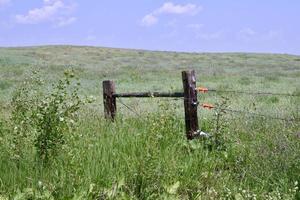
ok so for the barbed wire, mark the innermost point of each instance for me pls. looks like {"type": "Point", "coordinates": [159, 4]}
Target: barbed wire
{"type": "Point", "coordinates": [129, 108]}
{"type": "Point", "coordinates": [206, 90]}
{"type": "Point", "coordinates": [260, 115]}
{"type": "Point", "coordinates": [252, 113]}
{"type": "Point", "coordinates": [210, 106]}
{"type": "Point", "coordinates": [258, 93]}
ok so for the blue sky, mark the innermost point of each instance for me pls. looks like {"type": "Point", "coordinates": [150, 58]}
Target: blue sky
{"type": "Point", "coordinates": [270, 26]}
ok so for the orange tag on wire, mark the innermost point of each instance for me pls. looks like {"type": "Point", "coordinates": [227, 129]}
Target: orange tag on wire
{"type": "Point", "coordinates": [202, 89]}
{"type": "Point", "coordinates": [208, 106]}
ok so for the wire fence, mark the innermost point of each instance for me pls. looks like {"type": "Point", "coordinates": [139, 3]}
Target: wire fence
{"type": "Point", "coordinates": [245, 112]}
{"type": "Point", "coordinates": [229, 110]}
{"type": "Point", "coordinates": [191, 103]}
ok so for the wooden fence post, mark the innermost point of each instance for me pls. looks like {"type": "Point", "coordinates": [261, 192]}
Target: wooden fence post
{"type": "Point", "coordinates": [190, 103]}
{"type": "Point", "coordinates": [109, 100]}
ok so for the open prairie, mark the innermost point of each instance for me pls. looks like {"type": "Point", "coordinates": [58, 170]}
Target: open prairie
{"type": "Point", "coordinates": [144, 154]}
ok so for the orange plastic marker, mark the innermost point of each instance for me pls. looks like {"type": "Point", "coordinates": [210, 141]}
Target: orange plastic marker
{"type": "Point", "coordinates": [208, 106]}
{"type": "Point", "coordinates": [202, 89]}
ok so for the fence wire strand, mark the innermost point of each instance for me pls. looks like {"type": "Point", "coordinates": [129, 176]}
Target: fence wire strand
{"type": "Point", "coordinates": [260, 115]}
{"type": "Point", "coordinates": [254, 93]}
{"type": "Point", "coordinates": [129, 108]}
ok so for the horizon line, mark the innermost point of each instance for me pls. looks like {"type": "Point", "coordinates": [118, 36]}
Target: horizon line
{"type": "Point", "coordinates": [148, 50]}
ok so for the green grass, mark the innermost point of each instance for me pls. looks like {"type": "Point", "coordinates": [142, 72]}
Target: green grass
{"type": "Point", "coordinates": [148, 156]}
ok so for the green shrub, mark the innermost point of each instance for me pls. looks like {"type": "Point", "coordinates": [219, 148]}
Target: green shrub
{"type": "Point", "coordinates": [55, 117]}
{"type": "Point", "coordinates": [44, 119]}
{"type": "Point", "coordinates": [23, 114]}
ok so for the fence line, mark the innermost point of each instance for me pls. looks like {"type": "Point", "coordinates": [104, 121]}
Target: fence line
{"type": "Point", "coordinates": [189, 97]}
{"type": "Point", "coordinates": [210, 106]}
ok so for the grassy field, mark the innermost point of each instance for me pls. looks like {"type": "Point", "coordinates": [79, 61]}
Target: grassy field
{"type": "Point", "coordinates": [145, 155]}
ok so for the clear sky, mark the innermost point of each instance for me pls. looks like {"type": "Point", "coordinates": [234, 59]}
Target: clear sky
{"type": "Point", "coordinates": [271, 26]}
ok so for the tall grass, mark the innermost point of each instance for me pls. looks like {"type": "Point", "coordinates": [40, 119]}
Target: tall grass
{"type": "Point", "coordinates": [150, 158]}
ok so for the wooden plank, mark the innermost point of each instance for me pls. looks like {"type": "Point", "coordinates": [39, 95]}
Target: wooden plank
{"type": "Point", "coordinates": [110, 107]}
{"type": "Point", "coordinates": [190, 103]}
{"type": "Point", "coordinates": [149, 94]}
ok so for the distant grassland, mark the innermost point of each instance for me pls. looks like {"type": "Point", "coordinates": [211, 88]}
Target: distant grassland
{"type": "Point", "coordinates": [147, 156]}
{"type": "Point", "coordinates": [137, 70]}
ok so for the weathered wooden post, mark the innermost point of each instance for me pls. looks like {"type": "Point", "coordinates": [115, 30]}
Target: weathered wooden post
{"type": "Point", "coordinates": [190, 103]}
{"type": "Point", "coordinates": [109, 100]}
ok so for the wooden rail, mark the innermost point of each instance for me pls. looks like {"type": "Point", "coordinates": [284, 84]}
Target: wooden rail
{"type": "Point", "coordinates": [149, 94]}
